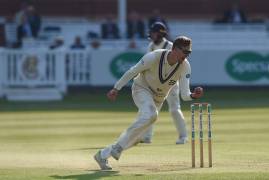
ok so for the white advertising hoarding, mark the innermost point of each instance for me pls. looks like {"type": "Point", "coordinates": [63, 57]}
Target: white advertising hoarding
{"type": "Point", "coordinates": [237, 68]}
{"type": "Point", "coordinates": [107, 66]}
{"type": "Point", "coordinates": [209, 67]}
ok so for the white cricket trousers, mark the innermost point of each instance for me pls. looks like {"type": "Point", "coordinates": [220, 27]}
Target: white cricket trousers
{"type": "Point", "coordinates": [173, 101]}
{"type": "Point", "coordinates": [147, 115]}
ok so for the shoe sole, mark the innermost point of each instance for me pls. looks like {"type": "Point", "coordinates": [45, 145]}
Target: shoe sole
{"type": "Point", "coordinates": [185, 142]}
{"type": "Point", "coordinates": [145, 142]}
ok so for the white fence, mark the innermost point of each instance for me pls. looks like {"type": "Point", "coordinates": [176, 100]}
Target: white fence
{"type": "Point", "coordinates": [26, 73]}
{"type": "Point", "coordinates": [44, 68]}
{"type": "Point", "coordinates": [32, 69]}
{"type": "Point", "coordinates": [78, 68]}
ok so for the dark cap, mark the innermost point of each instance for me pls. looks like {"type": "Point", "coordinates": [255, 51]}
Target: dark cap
{"type": "Point", "coordinates": [158, 27]}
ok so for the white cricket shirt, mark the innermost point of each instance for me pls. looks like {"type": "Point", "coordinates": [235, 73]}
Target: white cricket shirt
{"type": "Point", "coordinates": [154, 73]}
{"type": "Point", "coordinates": [164, 44]}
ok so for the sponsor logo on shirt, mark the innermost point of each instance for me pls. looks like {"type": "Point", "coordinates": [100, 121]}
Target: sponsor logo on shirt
{"type": "Point", "coordinates": [172, 82]}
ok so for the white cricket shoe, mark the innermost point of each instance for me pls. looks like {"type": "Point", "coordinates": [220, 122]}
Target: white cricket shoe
{"type": "Point", "coordinates": [145, 140]}
{"type": "Point", "coordinates": [182, 140]}
{"type": "Point", "coordinates": [103, 163]}
{"type": "Point", "coordinates": [116, 151]}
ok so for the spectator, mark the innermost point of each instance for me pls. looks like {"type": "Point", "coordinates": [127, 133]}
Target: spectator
{"type": "Point", "coordinates": [34, 20]}
{"type": "Point", "coordinates": [22, 12]}
{"type": "Point", "coordinates": [135, 26]}
{"type": "Point", "coordinates": [77, 44]}
{"type": "Point", "coordinates": [95, 43]}
{"type": "Point", "coordinates": [58, 44]}
{"type": "Point", "coordinates": [156, 17]}
{"type": "Point", "coordinates": [109, 29]}
{"type": "Point", "coordinates": [23, 30]}
{"type": "Point", "coordinates": [132, 45]}
{"type": "Point", "coordinates": [234, 15]}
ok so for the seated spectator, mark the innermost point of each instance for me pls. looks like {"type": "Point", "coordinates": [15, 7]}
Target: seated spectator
{"type": "Point", "coordinates": [135, 26]}
{"type": "Point", "coordinates": [156, 17]}
{"type": "Point", "coordinates": [77, 44]}
{"type": "Point", "coordinates": [95, 43]}
{"type": "Point", "coordinates": [233, 15]}
{"type": "Point", "coordinates": [34, 20]}
{"type": "Point", "coordinates": [109, 29]}
{"type": "Point", "coordinates": [58, 44]}
{"type": "Point", "coordinates": [132, 45]}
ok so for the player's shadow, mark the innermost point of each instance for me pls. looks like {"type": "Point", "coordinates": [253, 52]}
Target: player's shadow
{"type": "Point", "coordinates": [85, 149]}
{"type": "Point", "coordinates": [96, 174]}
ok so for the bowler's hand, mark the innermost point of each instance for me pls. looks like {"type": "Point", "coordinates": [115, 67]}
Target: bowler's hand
{"type": "Point", "coordinates": [197, 93]}
{"type": "Point", "coordinates": [112, 94]}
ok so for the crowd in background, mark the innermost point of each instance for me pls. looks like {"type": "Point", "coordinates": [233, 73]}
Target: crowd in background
{"type": "Point", "coordinates": [29, 22]}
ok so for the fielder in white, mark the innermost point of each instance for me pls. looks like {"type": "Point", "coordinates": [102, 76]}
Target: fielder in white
{"type": "Point", "coordinates": [155, 74]}
{"type": "Point", "coordinates": [157, 34]}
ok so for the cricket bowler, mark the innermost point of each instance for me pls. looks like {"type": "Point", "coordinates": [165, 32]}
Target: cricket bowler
{"type": "Point", "coordinates": [157, 34]}
{"type": "Point", "coordinates": [154, 76]}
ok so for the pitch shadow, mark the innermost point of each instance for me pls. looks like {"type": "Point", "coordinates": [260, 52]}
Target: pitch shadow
{"type": "Point", "coordinates": [93, 174]}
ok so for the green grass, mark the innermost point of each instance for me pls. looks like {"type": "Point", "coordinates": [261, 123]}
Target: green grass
{"type": "Point", "coordinates": [57, 140]}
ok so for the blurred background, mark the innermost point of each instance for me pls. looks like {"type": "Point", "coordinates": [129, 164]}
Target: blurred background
{"type": "Point", "coordinates": [50, 48]}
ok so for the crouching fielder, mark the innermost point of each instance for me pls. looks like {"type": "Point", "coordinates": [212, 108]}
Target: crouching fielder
{"type": "Point", "coordinates": [155, 74]}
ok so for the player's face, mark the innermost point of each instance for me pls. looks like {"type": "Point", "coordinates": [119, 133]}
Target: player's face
{"type": "Point", "coordinates": [154, 36]}
{"type": "Point", "coordinates": [182, 53]}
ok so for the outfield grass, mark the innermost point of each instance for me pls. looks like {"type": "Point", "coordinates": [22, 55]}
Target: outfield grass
{"type": "Point", "coordinates": [57, 140]}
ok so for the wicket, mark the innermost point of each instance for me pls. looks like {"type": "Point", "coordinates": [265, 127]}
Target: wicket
{"type": "Point", "coordinates": [201, 106]}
